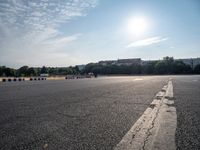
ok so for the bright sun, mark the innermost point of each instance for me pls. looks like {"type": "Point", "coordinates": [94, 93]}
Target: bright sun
{"type": "Point", "coordinates": [137, 25]}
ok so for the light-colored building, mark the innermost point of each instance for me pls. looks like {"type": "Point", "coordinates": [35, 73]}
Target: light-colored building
{"type": "Point", "coordinates": [121, 62]}
{"type": "Point", "coordinates": [191, 61]}
{"type": "Point", "coordinates": [128, 62]}
{"type": "Point", "coordinates": [145, 62]}
{"type": "Point", "coordinates": [44, 75]}
{"type": "Point", "coordinates": [108, 62]}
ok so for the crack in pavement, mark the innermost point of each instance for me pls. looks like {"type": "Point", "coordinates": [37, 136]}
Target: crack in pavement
{"type": "Point", "coordinates": [149, 129]}
{"type": "Point", "coordinates": [155, 128]}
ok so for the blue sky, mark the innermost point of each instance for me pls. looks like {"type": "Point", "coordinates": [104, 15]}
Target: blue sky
{"type": "Point", "coordinates": [71, 32]}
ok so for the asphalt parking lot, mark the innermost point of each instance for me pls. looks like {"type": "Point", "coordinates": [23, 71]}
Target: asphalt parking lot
{"type": "Point", "coordinates": [187, 102]}
{"type": "Point", "coordinates": [90, 113]}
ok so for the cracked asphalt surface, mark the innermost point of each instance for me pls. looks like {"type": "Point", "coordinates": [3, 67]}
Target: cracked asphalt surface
{"type": "Point", "coordinates": [86, 113]}
{"type": "Point", "coordinates": [73, 114]}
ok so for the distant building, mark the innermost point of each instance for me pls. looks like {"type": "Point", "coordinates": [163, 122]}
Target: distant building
{"type": "Point", "coordinates": [121, 62]}
{"type": "Point", "coordinates": [44, 75]}
{"type": "Point", "coordinates": [108, 62]}
{"type": "Point", "coordinates": [191, 61]}
{"type": "Point", "coordinates": [128, 62]}
{"type": "Point", "coordinates": [145, 62]}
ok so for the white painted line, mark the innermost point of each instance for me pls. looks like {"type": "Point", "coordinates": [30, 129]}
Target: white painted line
{"type": "Point", "coordinates": [169, 91]}
{"type": "Point", "coordinates": [138, 79]}
{"type": "Point", "coordinates": [162, 135]}
{"type": "Point", "coordinates": [194, 80]}
{"type": "Point", "coordinates": [155, 129]}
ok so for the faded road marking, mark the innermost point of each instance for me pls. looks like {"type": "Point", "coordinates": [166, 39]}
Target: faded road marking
{"type": "Point", "coordinates": [155, 129]}
{"type": "Point", "coordinates": [138, 79]}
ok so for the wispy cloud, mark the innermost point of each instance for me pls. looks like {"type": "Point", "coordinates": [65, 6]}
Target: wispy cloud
{"type": "Point", "coordinates": [39, 14]}
{"type": "Point", "coordinates": [146, 42]}
{"type": "Point", "coordinates": [33, 26]}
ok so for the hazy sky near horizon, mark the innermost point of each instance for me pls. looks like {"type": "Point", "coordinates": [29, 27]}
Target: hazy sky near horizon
{"type": "Point", "coordinates": [71, 32]}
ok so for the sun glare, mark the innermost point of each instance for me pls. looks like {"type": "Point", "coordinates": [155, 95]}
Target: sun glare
{"type": "Point", "coordinates": [137, 25]}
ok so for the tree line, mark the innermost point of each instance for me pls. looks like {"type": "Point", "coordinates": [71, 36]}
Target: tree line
{"type": "Point", "coordinates": [166, 66]}
{"type": "Point", "coordinates": [36, 71]}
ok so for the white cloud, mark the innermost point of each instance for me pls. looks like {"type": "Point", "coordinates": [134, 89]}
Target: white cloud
{"type": "Point", "coordinates": [146, 42]}
{"type": "Point", "coordinates": [46, 13]}
{"type": "Point", "coordinates": [32, 27]}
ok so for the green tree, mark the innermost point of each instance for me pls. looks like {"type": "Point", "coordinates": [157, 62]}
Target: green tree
{"type": "Point", "coordinates": [181, 68]}
{"type": "Point", "coordinates": [169, 61]}
{"type": "Point", "coordinates": [31, 72]}
{"type": "Point", "coordinates": [22, 71]}
{"type": "Point", "coordinates": [2, 68]}
{"type": "Point", "coordinates": [160, 67]}
{"type": "Point", "coordinates": [134, 69]}
{"type": "Point", "coordinates": [197, 69]}
{"type": "Point", "coordinates": [149, 68]}
{"type": "Point", "coordinates": [43, 70]}
{"type": "Point", "coordinates": [76, 70]}
{"type": "Point", "coordinates": [88, 67]}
